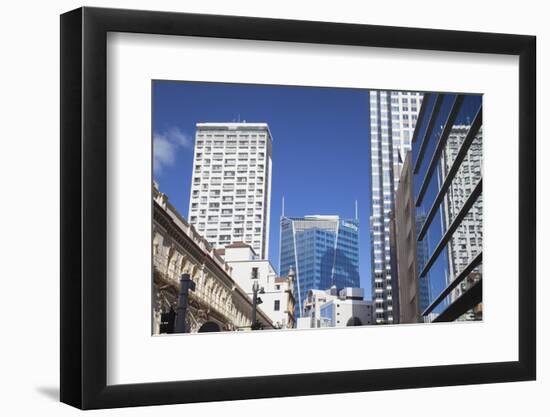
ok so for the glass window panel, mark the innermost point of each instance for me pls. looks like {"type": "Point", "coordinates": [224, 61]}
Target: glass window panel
{"type": "Point", "coordinates": [433, 139]}
{"type": "Point", "coordinates": [463, 246]}
{"type": "Point", "coordinates": [423, 123]}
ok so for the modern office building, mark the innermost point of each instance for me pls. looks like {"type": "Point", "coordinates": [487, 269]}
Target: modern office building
{"type": "Point", "coordinates": [393, 116]}
{"type": "Point", "coordinates": [231, 184]}
{"type": "Point", "coordinates": [311, 311]}
{"type": "Point", "coordinates": [447, 184]}
{"type": "Point", "coordinates": [336, 308]}
{"type": "Point", "coordinates": [348, 309]}
{"type": "Point", "coordinates": [322, 250]}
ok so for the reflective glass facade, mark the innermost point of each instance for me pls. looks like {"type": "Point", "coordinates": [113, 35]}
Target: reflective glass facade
{"type": "Point", "coordinates": [447, 156]}
{"type": "Point", "coordinates": [322, 250]}
{"type": "Point", "coordinates": [422, 253]}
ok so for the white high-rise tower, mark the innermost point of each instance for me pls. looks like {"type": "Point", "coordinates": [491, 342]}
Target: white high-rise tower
{"type": "Point", "coordinates": [467, 241]}
{"type": "Point", "coordinates": [231, 185]}
{"type": "Point", "coordinates": [393, 116]}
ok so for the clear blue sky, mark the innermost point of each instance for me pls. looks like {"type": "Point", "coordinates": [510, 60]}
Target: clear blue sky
{"type": "Point", "coordinates": [321, 151]}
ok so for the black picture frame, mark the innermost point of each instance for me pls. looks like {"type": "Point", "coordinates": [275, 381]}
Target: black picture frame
{"type": "Point", "coordinates": [84, 207]}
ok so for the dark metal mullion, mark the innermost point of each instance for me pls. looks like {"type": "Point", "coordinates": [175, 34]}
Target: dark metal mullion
{"type": "Point", "coordinates": [465, 272]}
{"type": "Point", "coordinates": [462, 304]}
{"type": "Point", "coordinates": [439, 148]}
{"type": "Point", "coordinates": [470, 136]}
{"type": "Point", "coordinates": [423, 108]}
{"type": "Point", "coordinates": [476, 192]}
{"type": "Point", "coordinates": [428, 133]}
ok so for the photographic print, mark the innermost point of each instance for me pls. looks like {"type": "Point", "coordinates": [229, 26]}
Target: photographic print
{"type": "Point", "coordinates": [297, 207]}
{"type": "Point", "coordinates": [305, 188]}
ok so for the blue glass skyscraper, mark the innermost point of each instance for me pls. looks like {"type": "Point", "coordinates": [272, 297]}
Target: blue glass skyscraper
{"type": "Point", "coordinates": [322, 250]}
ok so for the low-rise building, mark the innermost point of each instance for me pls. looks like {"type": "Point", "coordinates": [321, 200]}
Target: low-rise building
{"type": "Point", "coordinates": [276, 293]}
{"type": "Point", "coordinates": [336, 308]}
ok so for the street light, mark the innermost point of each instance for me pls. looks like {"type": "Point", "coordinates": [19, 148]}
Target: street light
{"type": "Point", "coordinates": [186, 284]}
{"type": "Point", "coordinates": [255, 301]}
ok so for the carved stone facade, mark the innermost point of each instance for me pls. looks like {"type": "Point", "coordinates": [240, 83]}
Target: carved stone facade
{"type": "Point", "coordinates": [218, 303]}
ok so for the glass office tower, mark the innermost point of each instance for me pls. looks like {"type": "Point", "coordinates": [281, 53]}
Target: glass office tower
{"type": "Point", "coordinates": [322, 250]}
{"type": "Point", "coordinates": [447, 160]}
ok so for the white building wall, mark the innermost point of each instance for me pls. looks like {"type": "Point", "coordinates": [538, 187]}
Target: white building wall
{"type": "Point", "coordinates": [239, 254]}
{"type": "Point", "coordinates": [344, 310]}
{"type": "Point", "coordinates": [303, 323]}
{"type": "Point", "coordinates": [242, 272]}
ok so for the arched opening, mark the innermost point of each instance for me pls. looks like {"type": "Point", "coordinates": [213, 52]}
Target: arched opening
{"type": "Point", "coordinates": [354, 321]}
{"type": "Point", "coordinates": [209, 326]}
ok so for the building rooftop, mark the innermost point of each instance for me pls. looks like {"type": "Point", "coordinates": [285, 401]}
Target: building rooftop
{"type": "Point", "coordinates": [239, 245]}
{"type": "Point", "coordinates": [234, 126]}
{"type": "Point", "coordinates": [234, 253]}
{"type": "Point", "coordinates": [321, 217]}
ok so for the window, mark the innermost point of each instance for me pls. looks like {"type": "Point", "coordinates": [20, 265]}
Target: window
{"type": "Point", "coordinates": [277, 305]}
{"type": "Point", "coordinates": [254, 274]}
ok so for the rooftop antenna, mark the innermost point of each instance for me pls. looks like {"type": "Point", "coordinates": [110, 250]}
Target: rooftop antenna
{"type": "Point", "coordinates": [356, 211]}
{"type": "Point", "coordinates": [283, 209]}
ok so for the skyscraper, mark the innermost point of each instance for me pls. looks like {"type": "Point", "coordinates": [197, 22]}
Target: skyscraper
{"type": "Point", "coordinates": [231, 184]}
{"type": "Point", "coordinates": [322, 250]}
{"type": "Point", "coordinates": [393, 116]}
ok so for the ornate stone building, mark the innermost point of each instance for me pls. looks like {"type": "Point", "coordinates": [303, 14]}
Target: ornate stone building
{"type": "Point", "coordinates": [218, 303]}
